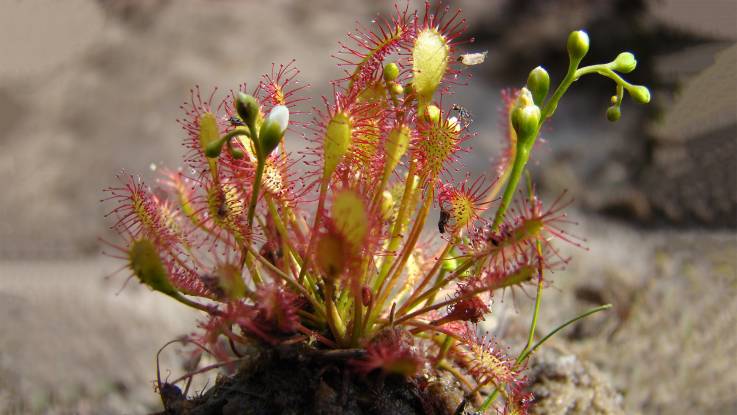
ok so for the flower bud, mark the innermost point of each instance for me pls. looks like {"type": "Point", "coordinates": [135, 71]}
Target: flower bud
{"type": "Point", "coordinates": [624, 63]}
{"type": "Point", "coordinates": [639, 93]}
{"type": "Point", "coordinates": [613, 113]}
{"type": "Point", "coordinates": [525, 121]}
{"type": "Point", "coordinates": [247, 108]}
{"type": "Point", "coordinates": [269, 136]}
{"type": "Point", "coordinates": [148, 268]}
{"type": "Point", "coordinates": [578, 45]}
{"type": "Point", "coordinates": [212, 150]}
{"type": "Point", "coordinates": [454, 124]}
{"type": "Point", "coordinates": [397, 89]}
{"type": "Point", "coordinates": [391, 71]}
{"type": "Point", "coordinates": [280, 114]}
{"type": "Point", "coordinates": [538, 82]}
{"type": "Point", "coordinates": [433, 113]}
{"type": "Point", "coordinates": [273, 128]}
{"type": "Point", "coordinates": [525, 116]}
{"type": "Point", "coordinates": [236, 153]}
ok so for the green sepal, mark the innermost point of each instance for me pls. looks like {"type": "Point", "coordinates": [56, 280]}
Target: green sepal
{"type": "Point", "coordinates": [269, 135]}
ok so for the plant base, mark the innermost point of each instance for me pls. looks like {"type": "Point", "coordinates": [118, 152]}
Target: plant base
{"type": "Point", "coordinates": [296, 380]}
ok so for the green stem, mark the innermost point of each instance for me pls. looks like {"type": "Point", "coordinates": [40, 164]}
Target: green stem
{"type": "Point", "coordinates": [398, 229]}
{"type": "Point", "coordinates": [411, 303]}
{"type": "Point", "coordinates": [564, 325]}
{"type": "Point", "coordinates": [549, 109]}
{"type": "Point", "coordinates": [335, 322]}
{"type": "Point", "coordinates": [447, 344]}
{"type": "Point", "coordinates": [186, 301]}
{"type": "Point", "coordinates": [525, 144]}
{"type": "Point", "coordinates": [524, 356]}
{"type": "Point", "coordinates": [235, 133]}
{"type": "Point", "coordinates": [538, 301]}
{"type": "Point", "coordinates": [255, 191]}
{"type": "Point", "coordinates": [426, 279]}
{"type": "Point", "coordinates": [281, 228]}
{"type": "Point", "coordinates": [603, 70]}
{"type": "Point", "coordinates": [520, 161]}
{"type": "Point", "coordinates": [284, 277]}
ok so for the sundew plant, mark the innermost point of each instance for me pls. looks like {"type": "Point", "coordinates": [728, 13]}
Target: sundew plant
{"type": "Point", "coordinates": [329, 247]}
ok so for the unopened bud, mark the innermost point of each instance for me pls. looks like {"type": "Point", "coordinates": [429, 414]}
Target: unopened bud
{"type": "Point", "coordinates": [433, 113]}
{"type": "Point", "coordinates": [538, 82]}
{"type": "Point", "coordinates": [273, 128]}
{"type": "Point", "coordinates": [212, 150]}
{"type": "Point", "coordinates": [525, 116]}
{"type": "Point", "coordinates": [236, 153]}
{"type": "Point", "coordinates": [247, 108]}
{"type": "Point", "coordinates": [525, 121]}
{"type": "Point", "coordinates": [613, 113]}
{"type": "Point", "coordinates": [269, 135]}
{"type": "Point", "coordinates": [578, 45]}
{"type": "Point", "coordinates": [397, 89]}
{"type": "Point", "coordinates": [391, 71]}
{"type": "Point", "coordinates": [639, 93]}
{"type": "Point", "coordinates": [624, 63]}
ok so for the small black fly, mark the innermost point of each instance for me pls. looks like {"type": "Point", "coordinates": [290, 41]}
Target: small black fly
{"type": "Point", "coordinates": [235, 121]}
{"type": "Point", "coordinates": [443, 221]}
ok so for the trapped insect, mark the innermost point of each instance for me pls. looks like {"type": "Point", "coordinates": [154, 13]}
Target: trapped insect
{"type": "Point", "coordinates": [463, 115]}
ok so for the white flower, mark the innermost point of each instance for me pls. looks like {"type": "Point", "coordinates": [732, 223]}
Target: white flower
{"type": "Point", "coordinates": [280, 115]}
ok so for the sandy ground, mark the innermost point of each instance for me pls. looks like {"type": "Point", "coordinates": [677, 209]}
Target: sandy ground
{"type": "Point", "coordinates": [91, 87]}
{"type": "Point", "coordinates": [69, 344]}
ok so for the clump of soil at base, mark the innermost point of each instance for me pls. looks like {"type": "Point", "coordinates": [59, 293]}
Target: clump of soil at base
{"type": "Point", "coordinates": [304, 381]}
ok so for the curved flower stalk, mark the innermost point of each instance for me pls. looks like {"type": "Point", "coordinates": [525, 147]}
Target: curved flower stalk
{"type": "Point", "coordinates": [339, 257]}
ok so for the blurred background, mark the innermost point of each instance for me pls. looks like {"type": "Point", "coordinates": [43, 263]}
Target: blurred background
{"type": "Point", "coordinates": [90, 87]}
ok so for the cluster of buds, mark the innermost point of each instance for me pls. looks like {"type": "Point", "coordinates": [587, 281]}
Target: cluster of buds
{"type": "Point", "coordinates": [327, 251]}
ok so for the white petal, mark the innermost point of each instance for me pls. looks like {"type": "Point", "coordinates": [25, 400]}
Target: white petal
{"type": "Point", "coordinates": [280, 114]}
{"type": "Point", "coordinates": [453, 123]}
